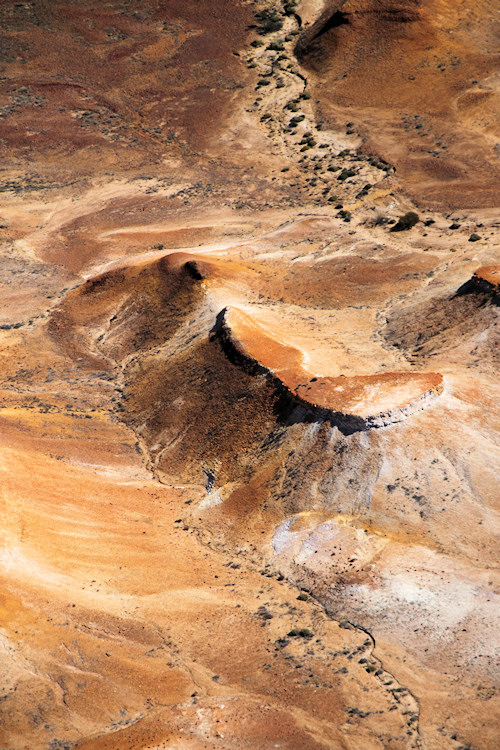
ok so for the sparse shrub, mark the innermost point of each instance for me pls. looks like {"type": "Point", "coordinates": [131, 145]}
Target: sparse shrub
{"type": "Point", "coordinates": [302, 597]}
{"type": "Point", "coordinates": [269, 21]}
{"type": "Point", "coordinates": [305, 633]}
{"type": "Point", "coordinates": [345, 215]}
{"type": "Point", "coordinates": [405, 222]}
{"type": "Point", "coordinates": [300, 633]}
{"type": "Point", "coordinates": [474, 237]}
{"type": "Point", "coordinates": [345, 174]}
{"type": "Point", "coordinates": [8, 326]}
{"type": "Point", "coordinates": [363, 191]}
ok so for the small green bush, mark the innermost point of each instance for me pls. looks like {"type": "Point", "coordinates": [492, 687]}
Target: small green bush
{"type": "Point", "coordinates": [346, 625]}
{"type": "Point", "coordinates": [300, 633]}
{"type": "Point", "coordinates": [405, 222]}
{"type": "Point", "coordinates": [345, 174]}
{"type": "Point", "coordinates": [269, 21]}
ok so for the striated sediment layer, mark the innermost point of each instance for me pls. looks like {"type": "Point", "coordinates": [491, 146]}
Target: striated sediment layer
{"type": "Point", "coordinates": [350, 402]}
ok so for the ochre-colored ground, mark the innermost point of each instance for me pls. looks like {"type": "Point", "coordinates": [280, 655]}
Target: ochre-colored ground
{"type": "Point", "coordinates": [419, 82]}
{"type": "Point", "coordinates": [248, 434]}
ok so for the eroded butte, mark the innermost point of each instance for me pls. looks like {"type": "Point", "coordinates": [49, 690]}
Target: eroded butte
{"type": "Point", "coordinates": [248, 411]}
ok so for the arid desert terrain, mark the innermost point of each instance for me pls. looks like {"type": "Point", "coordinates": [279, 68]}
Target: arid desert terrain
{"type": "Point", "coordinates": [249, 358]}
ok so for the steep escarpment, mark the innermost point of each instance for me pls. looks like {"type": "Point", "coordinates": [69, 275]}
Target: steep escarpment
{"type": "Point", "coordinates": [350, 403]}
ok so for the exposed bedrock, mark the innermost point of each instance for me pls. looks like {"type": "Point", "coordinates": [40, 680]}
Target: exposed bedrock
{"type": "Point", "coordinates": [330, 18]}
{"type": "Point", "coordinates": [349, 403]}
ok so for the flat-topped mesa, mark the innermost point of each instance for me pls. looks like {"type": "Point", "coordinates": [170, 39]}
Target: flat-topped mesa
{"type": "Point", "coordinates": [351, 403]}
{"type": "Point", "coordinates": [489, 276]}
{"type": "Point", "coordinates": [485, 281]}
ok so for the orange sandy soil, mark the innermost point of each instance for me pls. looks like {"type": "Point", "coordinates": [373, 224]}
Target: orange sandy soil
{"type": "Point", "coordinates": [193, 287]}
